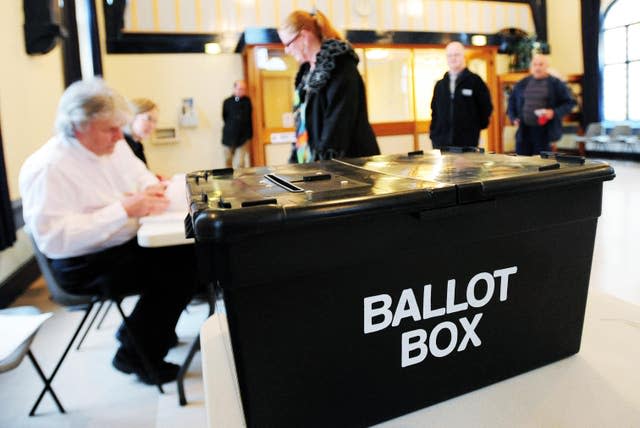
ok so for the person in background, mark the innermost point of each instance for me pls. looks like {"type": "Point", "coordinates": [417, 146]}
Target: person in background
{"type": "Point", "coordinates": [145, 119]}
{"type": "Point", "coordinates": [330, 108]}
{"type": "Point", "coordinates": [83, 193]}
{"type": "Point", "coordinates": [461, 103]}
{"type": "Point", "coordinates": [238, 129]}
{"type": "Point", "coordinates": [537, 105]}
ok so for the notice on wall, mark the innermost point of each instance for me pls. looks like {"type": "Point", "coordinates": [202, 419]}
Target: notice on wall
{"type": "Point", "coordinates": [287, 120]}
{"type": "Point", "coordinates": [283, 137]}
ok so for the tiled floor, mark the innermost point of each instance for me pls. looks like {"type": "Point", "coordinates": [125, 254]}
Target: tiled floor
{"type": "Point", "coordinates": [95, 395]}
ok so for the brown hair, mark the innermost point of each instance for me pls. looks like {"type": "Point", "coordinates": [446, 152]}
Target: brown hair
{"type": "Point", "coordinates": [316, 22]}
{"type": "Point", "coordinates": [141, 105]}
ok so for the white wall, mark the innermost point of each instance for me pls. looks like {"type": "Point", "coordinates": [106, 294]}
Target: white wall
{"type": "Point", "coordinates": [564, 29]}
{"type": "Point", "coordinates": [29, 90]}
{"type": "Point", "coordinates": [167, 79]}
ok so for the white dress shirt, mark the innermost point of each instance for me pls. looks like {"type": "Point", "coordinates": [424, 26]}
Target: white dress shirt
{"type": "Point", "coordinates": [71, 198]}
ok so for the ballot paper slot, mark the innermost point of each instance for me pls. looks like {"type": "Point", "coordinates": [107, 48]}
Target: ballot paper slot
{"type": "Point", "coordinates": [283, 183]}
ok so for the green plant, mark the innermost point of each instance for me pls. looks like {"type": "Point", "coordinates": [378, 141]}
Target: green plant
{"type": "Point", "coordinates": [522, 51]}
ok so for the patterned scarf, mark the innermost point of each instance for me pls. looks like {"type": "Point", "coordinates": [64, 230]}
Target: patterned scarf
{"type": "Point", "coordinates": [313, 81]}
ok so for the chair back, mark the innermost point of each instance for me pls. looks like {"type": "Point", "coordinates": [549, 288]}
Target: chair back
{"type": "Point", "coordinates": [58, 294]}
{"type": "Point", "coordinates": [593, 129]}
{"type": "Point", "coordinates": [17, 350]}
{"type": "Point", "coordinates": [621, 131]}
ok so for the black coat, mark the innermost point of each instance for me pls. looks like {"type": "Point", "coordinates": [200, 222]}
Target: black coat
{"type": "Point", "coordinates": [560, 100]}
{"type": "Point", "coordinates": [237, 127]}
{"type": "Point", "coordinates": [136, 147]}
{"type": "Point", "coordinates": [336, 115]}
{"type": "Point", "coordinates": [458, 122]}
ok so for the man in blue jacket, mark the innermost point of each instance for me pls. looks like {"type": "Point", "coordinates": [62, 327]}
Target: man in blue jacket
{"type": "Point", "coordinates": [536, 106]}
{"type": "Point", "coordinates": [461, 103]}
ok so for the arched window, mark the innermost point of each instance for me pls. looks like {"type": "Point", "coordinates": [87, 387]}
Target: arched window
{"type": "Point", "coordinates": [621, 58]}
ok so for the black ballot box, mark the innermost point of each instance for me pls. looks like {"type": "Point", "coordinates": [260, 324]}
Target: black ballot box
{"type": "Point", "coordinates": [359, 290]}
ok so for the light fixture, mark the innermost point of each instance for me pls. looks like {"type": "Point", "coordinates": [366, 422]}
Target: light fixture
{"type": "Point", "coordinates": [414, 8]}
{"type": "Point", "coordinates": [479, 40]}
{"type": "Point", "coordinates": [376, 54]}
{"type": "Point", "coordinates": [212, 48]}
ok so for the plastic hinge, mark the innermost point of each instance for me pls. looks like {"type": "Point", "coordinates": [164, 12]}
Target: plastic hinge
{"type": "Point", "coordinates": [549, 167]}
{"type": "Point", "coordinates": [257, 202]}
{"type": "Point", "coordinates": [564, 158]}
{"type": "Point", "coordinates": [571, 159]}
{"type": "Point", "coordinates": [316, 177]}
{"type": "Point", "coordinates": [461, 149]}
{"type": "Point", "coordinates": [218, 172]}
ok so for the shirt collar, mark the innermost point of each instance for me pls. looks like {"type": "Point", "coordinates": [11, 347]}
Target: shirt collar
{"type": "Point", "coordinates": [76, 146]}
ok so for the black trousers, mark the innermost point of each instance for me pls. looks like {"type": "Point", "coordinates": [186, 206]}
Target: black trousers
{"type": "Point", "coordinates": [165, 279]}
{"type": "Point", "coordinates": [534, 139]}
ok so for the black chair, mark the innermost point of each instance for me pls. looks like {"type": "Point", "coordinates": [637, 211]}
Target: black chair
{"type": "Point", "coordinates": [93, 319]}
{"type": "Point", "coordinates": [86, 304]}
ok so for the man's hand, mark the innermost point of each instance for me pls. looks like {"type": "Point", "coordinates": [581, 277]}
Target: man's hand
{"type": "Point", "coordinates": [157, 189]}
{"type": "Point", "coordinates": [150, 201]}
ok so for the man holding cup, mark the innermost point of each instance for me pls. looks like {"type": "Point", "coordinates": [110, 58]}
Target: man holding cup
{"type": "Point", "coordinates": [536, 106]}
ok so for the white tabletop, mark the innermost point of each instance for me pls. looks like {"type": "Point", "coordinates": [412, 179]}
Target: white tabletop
{"type": "Point", "coordinates": [598, 387]}
{"type": "Point", "coordinates": [167, 229]}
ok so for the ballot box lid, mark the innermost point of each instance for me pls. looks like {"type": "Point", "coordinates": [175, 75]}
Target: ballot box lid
{"type": "Point", "coordinates": [477, 175]}
{"type": "Point", "coordinates": [229, 205]}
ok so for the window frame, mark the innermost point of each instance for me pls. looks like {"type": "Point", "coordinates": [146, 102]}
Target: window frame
{"type": "Point", "coordinates": [626, 63]}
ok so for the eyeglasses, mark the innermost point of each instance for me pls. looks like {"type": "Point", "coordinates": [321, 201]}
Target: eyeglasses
{"type": "Point", "coordinates": [150, 118]}
{"type": "Point", "coordinates": [287, 44]}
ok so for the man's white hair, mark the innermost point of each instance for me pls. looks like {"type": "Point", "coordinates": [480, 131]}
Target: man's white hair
{"type": "Point", "coordinates": [87, 100]}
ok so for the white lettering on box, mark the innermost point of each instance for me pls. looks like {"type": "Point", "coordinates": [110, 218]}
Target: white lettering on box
{"type": "Point", "coordinates": [469, 332]}
{"type": "Point", "coordinates": [451, 298]}
{"type": "Point", "coordinates": [418, 343]}
{"type": "Point", "coordinates": [504, 280]}
{"type": "Point", "coordinates": [407, 307]}
{"type": "Point", "coordinates": [427, 312]}
{"type": "Point", "coordinates": [408, 345]}
{"type": "Point", "coordinates": [453, 339]}
{"type": "Point", "coordinates": [370, 313]}
{"type": "Point", "coordinates": [471, 289]}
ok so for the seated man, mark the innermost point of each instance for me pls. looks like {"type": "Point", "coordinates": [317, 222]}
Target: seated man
{"type": "Point", "coordinates": [82, 195]}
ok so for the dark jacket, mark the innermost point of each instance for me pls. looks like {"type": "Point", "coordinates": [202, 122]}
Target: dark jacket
{"type": "Point", "coordinates": [336, 115]}
{"type": "Point", "coordinates": [458, 122]}
{"type": "Point", "coordinates": [237, 127]}
{"type": "Point", "coordinates": [136, 147]}
{"type": "Point", "coordinates": [560, 100]}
